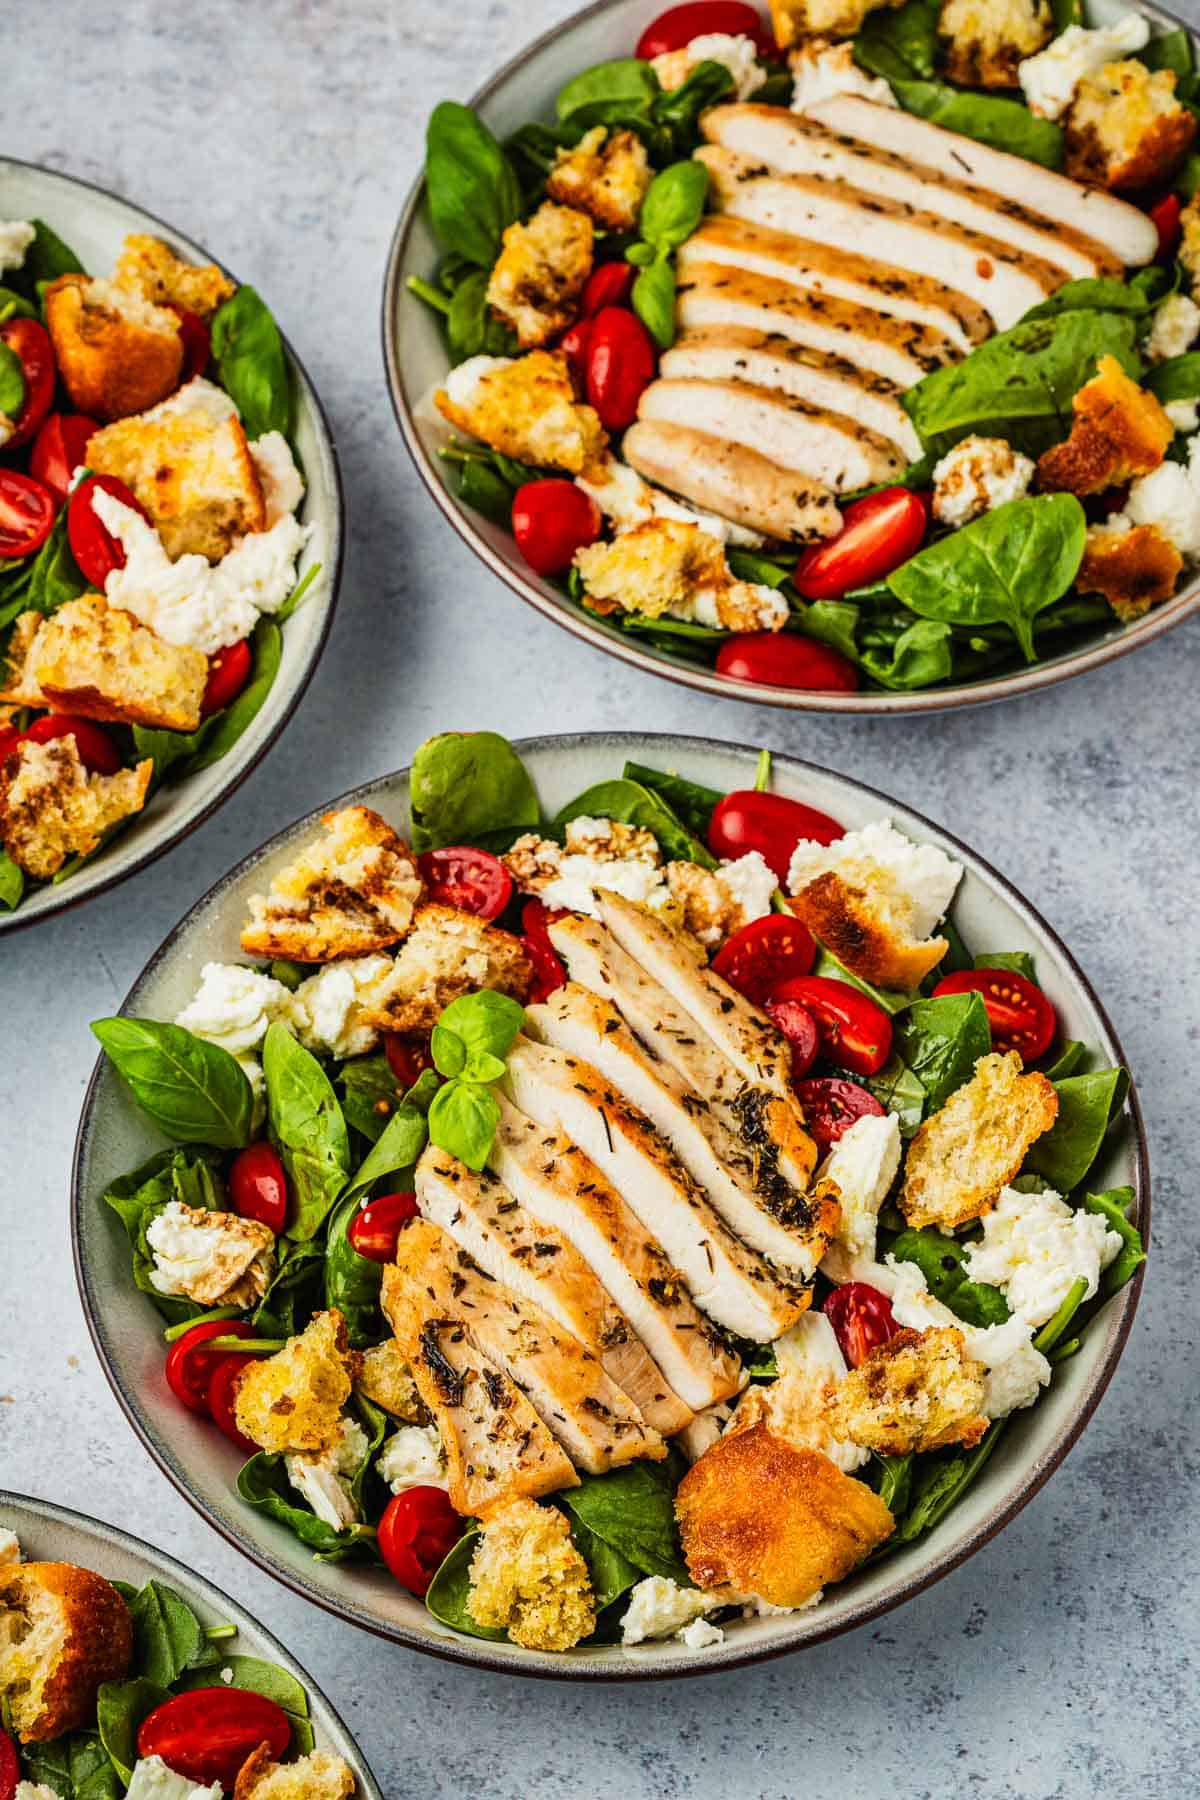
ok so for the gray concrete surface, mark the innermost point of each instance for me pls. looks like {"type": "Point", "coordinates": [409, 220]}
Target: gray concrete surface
{"type": "Point", "coordinates": [1061, 1662]}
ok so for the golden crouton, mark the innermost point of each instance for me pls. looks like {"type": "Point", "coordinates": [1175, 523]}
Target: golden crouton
{"type": "Point", "coordinates": [760, 1516]}
{"type": "Point", "coordinates": [1119, 431]}
{"type": "Point", "coordinates": [528, 1578]}
{"type": "Point", "coordinates": [63, 1632]}
{"type": "Point", "coordinates": [986, 39]}
{"type": "Point", "coordinates": [665, 566]}
{"type": "Point", "coordinates": [350, 891]}
{"type": "Point", "coordinates": [51, 808]}
{"type": "Point", "coordinates": [447, 953]}
{"type": "Point", "coordinates": [1134, 570]}
{"type": "Point", "coordinates": [866, 933]}
{"type": "Point", "coordinates": [976, 1143]}
{"type": "Point", "coordinates": [116, 353]}
{"type": "Point", "coordinates": [151, 268]}
{"type": "Point", "coordinates": [919, 1391]}
{"type": "Point", "coordinates": [193, 473]}
{"type": "Point", "coordinates": [318, 1776]}
{"type": "Point", "coordinates": [794, 19]}
{"type": "Point", "coordinates": [1126, 129]}
{"type": "Point", "coordinates": [539, 274]}
{"type": "Point", "coordinates": [93, 659]}
{"type": "Point", "coordinates": [606, 175]}
{"type": "Point", "coordinates": [386, 1379]}
{"type": "Point", "coordinates": [293, 1401]}
{"type": "Point", "coordinates": [525, 408]}
{"type": "Point", "coordinates": [20, 669]}
{"type": "Point", "coordinates": [1189, 243]}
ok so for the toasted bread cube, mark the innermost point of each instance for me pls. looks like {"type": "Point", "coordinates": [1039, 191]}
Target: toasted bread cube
{"type": "Point", "coordinates": [149, 267]}
{"type": "Point", "coordinates": [293, 1401]}
{"type": "Point", "coordinates": [192, 471]}
{"type": "Point", "coordinates": [318, 1776]}
{"type": "Point", "coordinates": [386, 1380]}
{"type": "Point", "coordinates": [606, 176]}
{"type": "Point", "coordinates": [669, 566]}
{"type": "Point", "coordinates": [795, 19]}
{"type": "Point", "coordinates": [93, 659]}
{"type": "Point", "coordinates": [528, 1578]}
{"type": "Point", "coordinates": [447, 953]}
{"type": "Point", "coordinates": [1119, 431]}
{"type": "Point", "coordinates": [63, 1632]}
{"type": "Point", "coordinates": [1189, 244]}
{"type": "Point", "coordinates": [350, 891]}
{"type": "Point", "coordinates": [762, 1516]}
{"type": "Point", "coordinates": [117, 354]}
{"type": "Point", "coordinates": [539, 274]}
{"type": "Point", "coordinates": [20, 670]}
{"type": "Point", "coordinates": [525, 408]}
{"type": "Point", "coordinates": [975, 1144]}
{"type": "Point", "coordinates": [1134, 569]}
{"type": "Point", "coordinates": [51, 808]}
{"type": "Point", "coordinates": [1126, 129]}
{"type": "Point", "coordinates": [919, 1391]}
{"type": "Point", "coordinates": [986, 39]}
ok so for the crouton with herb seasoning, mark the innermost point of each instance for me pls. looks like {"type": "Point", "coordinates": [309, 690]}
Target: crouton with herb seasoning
{"type": "Point", "coordinates": [447, 953]}
{"type": "Point", "coordinates": [351, 890]}
{"type": "Point", "coordinates": [984, 40]}
{"type": "Point", "coordinates": [526, 408]}
{"type": "Point", "coordinates": [52, 809]}
{"type": "Point", "coordinates": [149, 267]}
{"type": "Point", "coordinates": [920, 1391]}
{"type": "Point", "coordinates": [606, 176]}
{"type": "Point", "coordinates": [1119, 431]}
{"type": "Point", "coordinates": [64, 1631]}
{"type": "Point", "coordinates": [1126, 128]}
{"type": "Point", "coordinates": [528, 1579]}
{"type": "Point", "coordinates": [318, 1776]}
{"type": "Point", "coordinates": [95, 660]}
{"type": "Point", "coordinates": [792, 20]}
{"type": "Point", "coordinates": [117, 354]}
{"type": "Point", "coordinates": [539, 274]}
{"type": "Point", "coordinates": [386, 1379]}
{"type": "Point", "coordinates": [666, 567]}
{"type": "Point", "coordinates": [1134, 569]}
{"type": "Point", "coordinates": [976, 1143]}
{"type": "Point", "coordinates": [293, 1401]}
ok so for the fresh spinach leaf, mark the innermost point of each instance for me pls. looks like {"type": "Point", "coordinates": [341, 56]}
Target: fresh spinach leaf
{"type": "Point", "coordinates": [167, 1636]}
{"type": "Point", "coordinates": [940, 1480]}
{"type": "Point", "coordinates": [898, 1090]}
{"type": "Point", "coordinates": [291, 1296]}
{"type": "Point", "coordinates": [1068, 1061]}
{"type": "Point", "coordinates": [12, 882]}
{"type": "Point", "coordinates": [900, 45]}
{"type": "Point", "coordinates": [1086, 1106]}
{"type": "Point", "coordinates": [470, 328]}
{"type": "Point", "coordinates": [369, 1094]}
{"type": "Point", "coordinates": [941, 1040]}
{"type": "Point", "coordinates": [1170, 50]}
{"type": "Point", "coordinates": [1176, 379]}
{"type": "Point", "coordinates": [474, 194]}
{"type": "Point", "coordinates": [833, 622]}
{"type": "Point", "coordinates": [294, 600]}
{"type": "Point", "coordinates": [764, 571]}
{"type": "Point", "coordinates": [633, 1510]}
{"type": "Point", "coordinates": [941, 1260]}
{"type": "Point", "coordinates": [827, 964]}
{"type": "Point", "coordinates": [76, 1767]}
{"type": "Point", "coordinates": [447, 1594]}
{"type": "Point", "coordinates": [55, 576]}
{"type": "Point", "coordinates": [487, 492]}
{"type": "Point", "coordinates": [1113, 1207]}
{"type": "Point", "coordinates": [633, 804]}
{"type": "Point", "coordinates": [227, 726]}
{"type": "Point", "coordinates": [308, 1130]}
{"type": "Point", "coordinates": [689, 800]}
{"type": "Point", "coordinates": [679, 109]}
{"type": "Point", "coordinates": [195, 1092]}
{"type": "Point", "coordinates": [12, 382]}
{"type": "Point", "coordinates": [921, 656]}
{"type": "Point", "coordinates": [463, 1121]}
{"type": "Point", "coordinates": [352, 1282]}
{"type": "Point", "coordinates": [263, 1483]}
{"type": "Point", "coordinates": [609, 92]}
{"type": "Point", "coordinates": [1019, 961]}
{"type": "Point", "coordinates": [251, 365]}
{"type": "Point", "coordinates": [466, 786]}
{"type": "Point", "coordinates": [273, 1683]}
{"type": "Point", "coordinates": [610, 1573]}
{"type": "Point", "coordinates": [45, 260]}
{"type": "Point", "coordinates": [1106, 293]}
{"type": "Point", "coordinates": [895, 1482]}
{"type": "Point", "coordinates": [398, 1146]}
{"type": "Point", "coordinates": [120, 1708]}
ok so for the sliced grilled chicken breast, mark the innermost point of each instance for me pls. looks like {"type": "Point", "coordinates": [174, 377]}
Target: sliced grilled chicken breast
{"type": "Point", "coordinates": [535, 1260]}
{"type": "Point", "coordinates": [1126, 231]}
{"type": "Point", "coordinates": [842, 273]}
{"type": "Point", "coordinates": [597, 1425]}
{"type": "Point", "coordinates": [555, 1181]}
{"type": "Point", "coordinates": [795, 146]}
{"type": "Point", "coordinates": [794, 433]}
{"type": "Point", "coordinates": [729, 479]}
{"type": "Point", "coordinates": [735, 354]}
{"type": "Point", "coordinates": [1004, 281]}
{"type": "Point", "coordinates": [726, 1278]}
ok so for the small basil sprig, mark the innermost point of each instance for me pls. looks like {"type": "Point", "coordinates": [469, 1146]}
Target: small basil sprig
{"type": "Point", "coordinates": [248, 351]}
{"type": "Point", "coordinates": [194, 1091]}
{"type": "Point", "coordinates": [470, 1042]}
{"type": "Point", "coordinates": [671, 211]}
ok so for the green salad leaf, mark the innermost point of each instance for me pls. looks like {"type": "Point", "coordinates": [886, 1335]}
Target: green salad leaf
{"type": "Point", "coordinates": [12, 882]}
{"type": "Point", "coordinates": [446, 1596]}
{"type": "Point", "coordinates": [273, 1683]}
{"type": "Point", "coordinates": [352, 1282]}
{"type": "Point", "coordinates": [632, 1509]}
{"type": "Point", "coordinates": [1176, 379]}
{"type": "Point", "coordinates": [263, 1483]}
{"type": "Point", "coordinates": [397, 1147]}
{"type": "Point", "coordinates": [120, 1708]}
{"type": "Point", "coordinates": [900, 1091]}
{"type": "Point", "coordinates": [610, 93]}
{"type": "Point", "coordinates": [634, 804]}
{"type": "Point", "coordinates": [988, 118]}
{"type": "Point", "coordinates": [168, 1638]}
{"type": "Point", "coordinates": [468, 787]}
{"type": "Point", "coordinates": [1019, 961]}
{"type": "Point", "coordinates": [55, 576]}
{"type": "Point", "coordinates": [307, 1128]}
{"type": "Point", "coordinates": [1087, 1105]}
{"type": "Point", "coordinates": [474, 194]}
{"type": "Point", "coordinates": [12, 382]}
{"type": "Point", "coordinates": [690, 801]}
{"type": "Point", "coordinates": [921, 656]}
{"type": "Point", "coordinates": [1105, 293]}
{"type": "Point", "coordinates": [1113, 1207]}
{"type": "Point", "coordinates": [941, 1260]}
{"type": "Point", "coordinates": [939, 1481]}
{"type": "Point", "coordinates": [251, 365]}
{"type": "Point", "coordinates": [463, 1121]}
{"type": "Point", "coordinates": [191, 1177]}
{"type": "Point", "coordinates": [195, 1092]}
{"type": "Point", "coordinates": [941, 1040]}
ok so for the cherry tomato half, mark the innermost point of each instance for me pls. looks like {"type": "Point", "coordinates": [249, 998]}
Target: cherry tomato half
{"type": "Point", "coordinates": [621, 364]}
{"type": "Point", "coordinates": [10, 1768]}
{"type": "Point", "coordinates": [222, 1391]}
{"type": "Point", "coordinates": [831, 1106]}
{"type": "Point", "coordinates": [407, 1057]}
{"type": "Point", "coordinates": [1166, 221]}
{"type": "Point", "coordinates": [856, 1034]}
{"type": "Point", "coordinates": [472, 880]}
{"type": "Point", "coordinates": [92, 545]}
{"type": "Point", "coordinates": [609, 284]}
{"type": "Point", "coordinates": [799, 1028]}
{"type": "Point", "coordinates": [861, 1318]}
{"type": "Point", "coordinates": [878, 534]}
{"type": "Point", "coordinates": [190, 1366]}
{"type": "Point", "coordinates": [417, 1532]}
{"type": "Point", "coordinates": [551, 520]}
{"type": "Point", "coordinates": [680, 24]}
{"type": "Point", "coordinates": [769, 823]}
{"type": "Point", "coordinates": [258, 1186]}
{"type": "Point", "coordinates": [228, 673]}
{"type": "Point", "coordinates": [1019, 1013]}
{"type": "Point", "coordinates": [574, 346]}
{"type": "Point", "coordinates": [537, 918]}
{"type": "Point", "coordinates": [30, 344]}
{"type": "Point", "coordinates": [759, 958]}
{"type": "Point", "coordinates": [785, 659]}
{"type": "Point", "coordinates": [59, 449]}
{"type": "Point", "coordinates": [373, 1231]}
{"type": "Point", "coordinates": [197, 345]}
{"type": "Point", "coordinates": [97, 752]}
{"type": "Point", "coordinates": [548, 970]}
{"type": "Point", "coordinates": [27, 512]}
{"type": "Point", "coordinates": [208, 1733]}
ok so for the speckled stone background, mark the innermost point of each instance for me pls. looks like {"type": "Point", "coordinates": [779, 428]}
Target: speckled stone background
{"type": "Point", "coordinates": [1061, 1661]}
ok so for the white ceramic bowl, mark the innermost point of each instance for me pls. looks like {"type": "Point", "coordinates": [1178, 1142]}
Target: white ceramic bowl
{"type": "Point", "coordinates": [127, 1331]}
{"type": "Point", "coordinates": [415, 354]}
{"type": "Point", "coordinates": [94, 223]}
{"type": "Point", "coordinates": [50, 1533]}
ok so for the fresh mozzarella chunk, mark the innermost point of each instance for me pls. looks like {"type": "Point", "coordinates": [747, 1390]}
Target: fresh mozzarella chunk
{"type": "Point", "coordinates": [1184, 415]}
{"type": "Point", "coordinates": [750, 884]}
{"type": "Point", "coordinates": [15, 238]}
{"type": "Point", "coordinates": [326, 1010]}
{"type": "Point", "coordinates": [196, 396]}
{"type": "Point", "coordinates": [1175, 328]}
{"type": "Point", "coordinates": [659, 1607]}
{"type": "Point", "coordinates": [599, 854]}
{"type": "Point", "coordinates": [324, 1480]}
{"type": "Point", "coordinates": [700, 1635]}
{"type": "Point", "coordinates": [1168, 497]}
{"type": "Point", "coordinates": [10, 1548]}
{"type": "Point", "coordinates": [1016, 1372]}
{"type": "Point", "coordinates": [924, 874]}
{"type": "Point", "coordinates": [279, 478]}
{"type": "Point", "coordinates": [978, 475]}
{"type": "Point", "coordinates": [214, 1258]}
{"type": "Point", "coordinates": [811, 1369]}
{"type": "Point", "coordinates": [1036, 1247]}
{"type": "Point", "coordinates": [233, 1006]}
{"type": "Point", "coordinates": [25, 1790]}
{"type": "Point", "coordinates": [412, 1457]}
{"type": "Point", "coordinates": [737, 54]}
{"type": "Point", "coordinates": [863, 1165]}
{"type": "Point", "coordinates": [821, 69]}
{"type": "Point", "coordinates": [152, 1780]}
{"type": "Point", "coordinates": [1049, 79]}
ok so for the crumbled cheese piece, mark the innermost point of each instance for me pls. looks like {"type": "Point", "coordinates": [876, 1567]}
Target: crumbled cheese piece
{"type": "Point", "coordinates": [227, 1675]}
{"type": "Point", "coordinates": [233, 1006]}
{"type": "Point", "coordinates": [1036, 1247]}
{"type": "Point", "coordinates": [153, 1780]}
{"type": "Point", "coordinates": [659, 1607]}
{"type": "Point", "coordinates": [599, 854]}
{"type": "Point", "coordinates": [750, 883]}
{"type": "Point", "coordinates": [1015, 1371]}
{"type": "Point", "coordinates": [977, 475]}
{"type": "Point", "coordinates": [1049, 79]}
{"type": "Point", "coordinates": [700, 1635]}
{"type": "Point", "coordinates": [922, 873]}
{"type": "Point", "coordinates": [863, 1165]}
{"type": "Point", "coordinates": [214, 1258]}
{"type": "Point", "coordinates": [196, 396]}
{"type": "Point", "coordinates": [626, 500]}
{"type": "Point", "coordinates": [10, 1548]}
{"type": "Point", "coordinates": [326, 1009]}
{"type": "Point", "coordinates": [15, 238]}
{"type": "Point", "coordinates": [279, 478]}
{"type": "Point", "coordinates": [737, 54]}
{"type": "Point", "coordinates": [413, 1457]}
{"type": "Point", "coordinates": [1175, 328]}
{"type": "Point", "coordinates": [1184, 415]}
{"type": "Point", "coordinates": [324, 1480]}
{"type": "Point", "coordinates": [25, 1790]}
{"type": "Point", "coordinates": [821, 70]}
{"type": "Point", "coordinates": [1168, 497]}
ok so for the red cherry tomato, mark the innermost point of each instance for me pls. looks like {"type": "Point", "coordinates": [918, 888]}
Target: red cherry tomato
{"type": "Point", "coordinates": [27, 512]}
{"type": "Point", "coordinates": [861, 1318]}
{"type": "Point", "coordinates": [190, 1366]}
{"type": "Point", "coordinates": [92, 545]}
{"type": "Point", "coordinates": [59, 449]}
{"type": "Point", "coordinates": [609, 284]}
{"type": "Point", "coordinates": [9, 739]}
{"type": "Point", "coordinates": [1165, 218]}
{"type": "Point", "coordinates": [30, 344]}
{"type": "Point", "coordinates": [537, 918]}
{"type": "Point", "coordinates": [228, 673]}
{"type": "Point", "coordinates": [831, 1106]}
{"type": "Point", "coordinates": [855, 1032]}
{"type": "Point", "coordinates": [407, 1057]}
{"type": "Point", "coordinates": [97, 752]}
{"type": "Point", "coordinates": [472, 880]}
{"type": "Point", "coordinates": [759, 958]}
{"type": "Point", "coordinates": [551, 520]}
{"type": "Point", "coordinates": [373, 1231]}
{"type": "Point", "coordinates": [769, 823]}
{"type": "Point", "coordinates": [258, 1186]}
{"type": "Point", "coordinates": [197, 345]}
{"type": "Point", "coordinates": [222, 1385]}
{"type": "Point", "coordinates": [208, 1733]}
{"type": "Point", "coordinates": [878, 534]}
{"type": "Point", "coordinates": [1019, 1013]}
{"type": "Point", "coordinates": [621, 364]}
{"type": "Point", "coordinates": [10, 1768]}
{"type": "Point", "coordinates": [574, 346]}
{"type": "Point", "coordinates": [680, 24]}
{"type": "Point", "coordinates": [548, 971]}
{"type": "Point", "coordinates": [800, 1029]}
{"type": "Point", "coordinates": [417, 1532]}
{"type": "Point", "coordinates": [784, 659]}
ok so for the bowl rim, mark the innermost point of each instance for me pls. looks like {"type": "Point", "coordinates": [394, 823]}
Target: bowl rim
{"type": "Point", "coordinates": [477, 1653]}
{"type": "Point", "coordinates": [191, 820]}
{"type": "Point", "coordinates": [1032, 679]}
{"type": "Point", "coordinates": [214, 1597]}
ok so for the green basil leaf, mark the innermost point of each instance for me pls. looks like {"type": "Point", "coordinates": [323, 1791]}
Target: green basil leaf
{"type": "Point", "coordinates": [653, 299]}
{"type": "Point", "coordinates": [632, 804]}
{"type": "Point", "coordinates": [468, 785]}
{"type": "Point", "coordinates": [922, 656]}
{"type": "Point", "coordinates": [447, 1594]}
{"type": "Point", "coordinates": [632, 1509]}
{"type": "Point", "coordinates": [226, 727]}
{"type": "Point", "coordinates": [463, 1121]}
{"type": "Point", "coordinates": [1086, 1106]}
{"type": "Point", "coordinates": [941, 1259]}
{"type": "Point", "coordinates": [120, 1708]}
{"type": "Point", "coordinates": [474, 194]}
{"type": "Point", "coordinates": [12, 882]}
{"type": "Point", "coordinates": [941, 1040]}
{"type": "Point", "coordinates": [627, 85]}
{"type": "Point", "coordinates": [12, 382]}
{"type": "Point", "coordinates": [251, 365]}
{"type": "Point", "coordinates": [448, 1051]}
{"type": "Point", "coordinates": [484, 1021]}
{"type": "Point", "coordinates": [308, 1129]}
{"type": "Point", "coordinates": [195, 1092]}
{"type": "Point", "coordinates": [673, 205]}
{"type": "Point", "coordinates": [398, 1146]}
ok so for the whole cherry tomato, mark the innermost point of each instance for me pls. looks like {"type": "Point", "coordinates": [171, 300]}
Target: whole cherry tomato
{"type": "Point", "coordinates": [417, 1532]}
{"type": "Point", "coordinates": [472, 880]}
{"type": "Point", "coordinates": [222, 1392]}
{"type": "Point", "coordinates": [228, 673]}
{"type": "Point", "coordinates": [1166, 220]}
{"type": "Point", "coordinates": [769, 823]}
{"type": "Point", "coordinates": [209, 1732]}
{"type": "Point", "coordinates": [609, 284]}
{"type": "Point", "coordinates": [27, 512]}
{"type": "Point", "coordinates": [190, 1366]}
{"type": "Point", "coordinates": [374, 1230]}
{"type": "Point", "coordinates": [197, 345]}
{"type": "Point", "coordinates": [258, 1186]}
{"type": "Point", "coordinates": [878, 534]}
{"type": "Point", "coordinates": [1019, 1013]}
{"type": "Point", "coordinates": [861, 1318]}
{"type": "Point", "coordinates": [92, 545]}
{"type": "Point", "coordinates": [59, 449]}
{"type": "Point", "coordinates": [97, 752]}
{"type": "Point", "coordinates": [30, 344]}
{"type": "Point", "coordinates": [574, 346]}
{"type": "Point", "coordinates": [10, 1768]}
{"type": "Point", "coordinates": [677, 27]}
{"type": "Point", "coordinates": [407, 1057]}
{"type": "Point", "coordinates": [831, 1106]}
{"type": "Point", "coordinates": [621, 364]}
{"type": "Point", "coordinates": [855, 1032]}
{"type": "Point", "coordinates": [784, 659]}
{"type": "Point", "coordinates": [799, 1028]}
{"type": "Point", "coordinates": [551, 520]}
{"type": "Point", "coordinates": [762, 956]}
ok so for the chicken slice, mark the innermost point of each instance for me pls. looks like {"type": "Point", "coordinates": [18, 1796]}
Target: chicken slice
{"type": "Point", "coordinates": [729, 479]}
